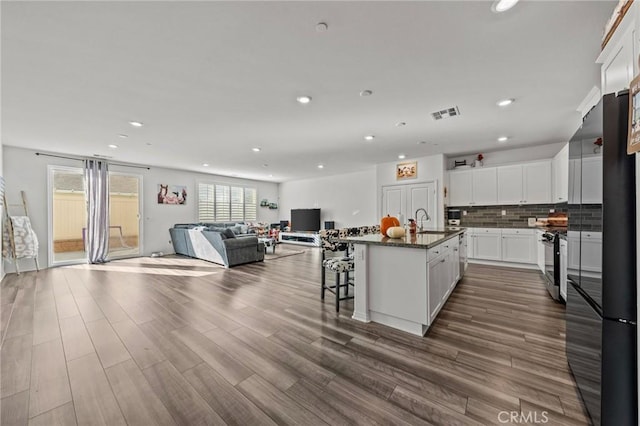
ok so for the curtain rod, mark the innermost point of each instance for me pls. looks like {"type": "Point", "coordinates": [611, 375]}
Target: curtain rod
{"type": "Point", "coordinates": [82, 159]}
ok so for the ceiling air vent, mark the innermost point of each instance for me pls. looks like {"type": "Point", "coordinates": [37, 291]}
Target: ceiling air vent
{"type": "Point", "coordinates": [446, 113]}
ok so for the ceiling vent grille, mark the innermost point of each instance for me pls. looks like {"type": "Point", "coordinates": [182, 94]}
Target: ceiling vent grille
{"type": "Point", "coordinates": [446, 113]}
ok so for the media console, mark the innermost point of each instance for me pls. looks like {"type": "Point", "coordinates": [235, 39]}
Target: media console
{"type": "Point", "coordinates": [302, 238]}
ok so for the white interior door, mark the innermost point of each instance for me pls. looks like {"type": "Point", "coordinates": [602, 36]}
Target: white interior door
{"type": "Point", "coordinates": [423, 196]}
{"type": "Point", "coordinates": [402, 201]}
{"type": "Point", "coordinates": [394, 201]}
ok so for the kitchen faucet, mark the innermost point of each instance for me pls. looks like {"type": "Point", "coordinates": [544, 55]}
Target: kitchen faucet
{"type": "Point", "coordinates": [426, 215]}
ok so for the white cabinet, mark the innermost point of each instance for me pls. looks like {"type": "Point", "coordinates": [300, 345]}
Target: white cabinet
{"type": "Point", "coordinates": [487, 244]}
{"type": "Point", "coordinates": [592, 180]}
{"type": "Point", "coordinates": [539, 250]}
{"type": "Point", "coordinates": [442, 274]}
{"type": "Point", "coordinates": [436, 270]}
{"type": "Point", "coordinates": [560, 166]}
{"type": "Point", "coordinates": [617, 59]}
{"type": "Point", "coordinates": [510, 185]}
{"type": "Point", "coordinates": [485, 191]}
{"type": "Point", "coordinates": [524, 183]}
{"type": "Point", "coordinates": [473, 187]}
{"type": "Point", "coordinates": [536, 183]}
{"type": "Point", "coordinates": [460, 189]}
{"type": "Point", "coordinates": [518, 245]}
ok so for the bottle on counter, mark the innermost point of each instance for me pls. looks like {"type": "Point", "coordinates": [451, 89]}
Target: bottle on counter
{"type": "Point", "coordinates": [412, 226]}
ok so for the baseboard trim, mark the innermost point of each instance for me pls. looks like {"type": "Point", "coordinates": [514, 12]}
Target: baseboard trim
{"type": "Point", "coordinates": [504, 264]}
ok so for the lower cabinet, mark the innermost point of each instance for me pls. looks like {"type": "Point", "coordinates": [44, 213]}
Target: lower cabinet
{"type": "Point", "coordinates": [487, 244]}
{"type": "Point", "coordinates": [443, 271]}
{"type": "Point", "coordinates": [518, 246]}
{"type": "Point", "coordinates": [504, 245]}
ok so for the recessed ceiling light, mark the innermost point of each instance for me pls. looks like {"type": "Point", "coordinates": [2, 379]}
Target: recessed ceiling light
{"type": "Point", "coordinates": [123, 136]}
{"type": "Point", "coordinates": [256, 149]}
{"type": "Point", "coordinates": [149, 144]}
{"type": "Point", "coordinates": [505, 102]}
{"type": "Point", "coordinates": [303, 99]}
{"type": "Point", "coordinates": [136, 123]}
{"type": "Point", "coordinates": [503, 5]}
{"type": "Point", "coordinates": [112, 146]}
{"type": "Point", "coordinates": [321, 166]}
{"type": "Point", "coordinates": [366, 93]}
{"type": "Point", "coordinates": [502, 139]}
{"type": "Point", "coordinates": [422, 142]}
{"type": "Point", "coordinates": [265, 165]}
{"type": "Point", "coordinates": [402, 156]}
{"type": "Point", "coordinates": [401, 124]}
{"type": "Point", "coordinates": [369, 137]}
{"type": "Point", "coordinates": [205, 164]}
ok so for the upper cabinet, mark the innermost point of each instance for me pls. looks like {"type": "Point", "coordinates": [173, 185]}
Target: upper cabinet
{"type": "Point", "coordinates": [525, 183]}
{"type": "Point", "coordinates": [560, 166]}
{"type": "Point", "coordinates": [529, 183]}
{"type": "Point", "coordinates": [475, 187]}
{"type": "Point", "coordinates": [617, 57]}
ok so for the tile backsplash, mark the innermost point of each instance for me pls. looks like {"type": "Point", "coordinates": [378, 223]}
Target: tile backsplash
{"type": "Point", "coordinates": [516, 216]}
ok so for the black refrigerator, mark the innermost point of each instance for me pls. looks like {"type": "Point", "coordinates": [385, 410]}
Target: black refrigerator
{"type": "Point", "coordinates": [601, 295]}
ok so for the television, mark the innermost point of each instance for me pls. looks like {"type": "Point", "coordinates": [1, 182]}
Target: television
{"type": "Point", "coordinates": [305, 220]}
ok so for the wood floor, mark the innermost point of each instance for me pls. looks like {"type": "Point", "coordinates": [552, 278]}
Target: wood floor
{"type": "Point", "coordinates": [180, 341]}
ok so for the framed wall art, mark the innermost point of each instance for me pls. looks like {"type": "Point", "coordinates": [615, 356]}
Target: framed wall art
{"type": "Point", "coordinates": [407, 170]}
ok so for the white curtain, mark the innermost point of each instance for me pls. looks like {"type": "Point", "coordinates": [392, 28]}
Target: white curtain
{"type": "Point", "coordinates": [96, 177]}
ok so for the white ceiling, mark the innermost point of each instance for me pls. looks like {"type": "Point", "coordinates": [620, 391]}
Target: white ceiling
{"type": "Point", "coordinates": [211, 80]}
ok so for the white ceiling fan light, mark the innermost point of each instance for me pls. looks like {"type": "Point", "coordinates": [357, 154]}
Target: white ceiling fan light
{"type": "Point", "coordinates": [500, 6]}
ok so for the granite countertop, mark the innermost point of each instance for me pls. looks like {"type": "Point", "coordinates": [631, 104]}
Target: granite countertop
{"type": "Point", "coordinates": [422, 241]}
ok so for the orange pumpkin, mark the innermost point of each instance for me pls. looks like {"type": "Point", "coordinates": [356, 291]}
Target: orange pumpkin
{"type": "Point", "coordinates": [388, 222]}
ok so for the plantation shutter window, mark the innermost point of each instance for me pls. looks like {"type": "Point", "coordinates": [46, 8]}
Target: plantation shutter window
{"type": "Point", "coordinates": [226, 203]}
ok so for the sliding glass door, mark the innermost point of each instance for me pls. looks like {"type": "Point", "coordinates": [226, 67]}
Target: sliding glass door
{"type": "Point", "coordinates": [124, 215]}
{"type": "Point", "coordinates": [68, 215]}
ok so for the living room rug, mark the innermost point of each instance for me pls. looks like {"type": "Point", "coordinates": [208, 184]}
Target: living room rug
{"type": "Point", "coordinates": [282, 252]}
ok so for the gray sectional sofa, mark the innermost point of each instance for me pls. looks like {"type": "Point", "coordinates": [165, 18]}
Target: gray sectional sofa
{"type": "Point", "coordinates": [217, 243]}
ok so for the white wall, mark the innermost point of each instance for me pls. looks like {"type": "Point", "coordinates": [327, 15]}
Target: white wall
{"type": "Point", "coordinates": [26, 171]}
{"type": "Point", "coordinates": [348, 199]}
{"type": "Point", "coordinates": [430, 168]}
{"type": "Point", "coordinates": [506, 156]}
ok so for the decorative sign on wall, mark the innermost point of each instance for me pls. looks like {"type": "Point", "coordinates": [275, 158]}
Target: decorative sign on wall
{"type": "Point", "coordinates": [407, 170]}
{"type": "Point", "coordinates": [633, 142]}
{"type": "Point", "coordinates": [172, 194]}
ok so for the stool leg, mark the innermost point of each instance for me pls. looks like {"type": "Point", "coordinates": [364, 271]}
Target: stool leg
{"type": "Point", "coordinates": [337, 291]}
{"type": "Point", "coordinates": [322, 277]}
{"type": "Point", "coordinates": [346, 281]}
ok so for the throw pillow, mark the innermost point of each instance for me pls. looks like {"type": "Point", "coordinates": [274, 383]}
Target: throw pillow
{"type": "Point", "coordinates": [236, 229]}
{"type": "Point", "coordinates": [244, 229]}
{"type": "Point", "coordinates": [228, 233]}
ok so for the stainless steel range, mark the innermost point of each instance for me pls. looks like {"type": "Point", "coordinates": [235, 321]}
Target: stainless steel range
{"type": "Point", "coordinates": [551, 242]}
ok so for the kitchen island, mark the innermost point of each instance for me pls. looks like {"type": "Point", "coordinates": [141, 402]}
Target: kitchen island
{"type": "Point", "coordinates": [404, 282]}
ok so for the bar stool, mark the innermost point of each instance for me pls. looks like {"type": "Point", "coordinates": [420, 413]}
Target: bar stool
{"type": "Point", "coordinates": [339, 265]}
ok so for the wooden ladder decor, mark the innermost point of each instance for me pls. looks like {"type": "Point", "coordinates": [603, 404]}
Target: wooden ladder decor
{"type": "Point", "coordinates": [11, 228]}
